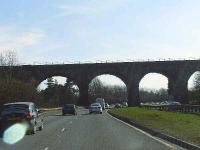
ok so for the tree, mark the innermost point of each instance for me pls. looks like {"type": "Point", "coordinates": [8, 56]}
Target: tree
{"type": "Point", "coordinates": [2, 60]}
{"type": "Point", "coordinates": [50, 82]}
{"type": "Point", "coordinates": [69, 84]}
{"type": "Point", "coordinates": [8, 58]}
{"type": "Point", "coordinates": [15, 90]}
{"type": "Point", "coordinates": [111, 93]}
{"type": "Point", "coordinates": [95, 89]}
{"type": "Point", "coordinates": [11, 58]}
{"type": "Point", "coordinates": [197, 82]}
{"type": "Point", "coordinates": [194, 94]}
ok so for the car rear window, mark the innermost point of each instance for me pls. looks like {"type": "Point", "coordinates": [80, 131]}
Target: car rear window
{"type": "Point", "coordinates": [95, 104]}
{"type": "Point", "coordinates": [15, 107]}
{"type": "Point", "coordinates": [69, 106]}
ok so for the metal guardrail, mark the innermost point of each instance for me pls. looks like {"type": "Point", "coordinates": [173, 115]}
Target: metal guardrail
{"type": "Point", "coordinates": [176, 108]}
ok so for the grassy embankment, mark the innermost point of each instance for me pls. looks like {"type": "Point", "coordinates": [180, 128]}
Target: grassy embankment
{"type": "Point", "coordinates": [181, 125]}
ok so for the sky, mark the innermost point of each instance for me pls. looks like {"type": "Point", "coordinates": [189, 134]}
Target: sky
{"type": "Point", "coordinates": [91, 30]}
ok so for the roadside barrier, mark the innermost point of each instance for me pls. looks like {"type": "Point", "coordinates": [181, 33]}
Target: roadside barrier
{"type": "Point", "coordinates": [176, 108]}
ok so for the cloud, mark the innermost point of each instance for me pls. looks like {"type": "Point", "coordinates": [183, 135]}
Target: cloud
{"type": "Point", "coordinates": [17, 39]}
{"type": "Point", "coordinates": [77, 10]}
{"type": "Point", "coordinates": [91, 7]}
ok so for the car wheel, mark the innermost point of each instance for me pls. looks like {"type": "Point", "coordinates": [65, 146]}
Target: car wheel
{"type": "Point", "coordinates": [33, 130]}
{"type": "Point", "coordinates": [41, 127]}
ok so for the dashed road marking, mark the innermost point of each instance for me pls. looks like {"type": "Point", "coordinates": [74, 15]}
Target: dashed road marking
{"type": "Point", "coordinates": [46, 148]}
{"type": "Point", "coordinates": [63, 129]}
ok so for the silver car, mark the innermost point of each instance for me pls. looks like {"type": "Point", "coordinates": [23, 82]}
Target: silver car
{"type": "Point", "coordinates": [95, 108]}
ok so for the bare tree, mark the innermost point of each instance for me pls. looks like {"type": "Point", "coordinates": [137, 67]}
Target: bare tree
{"type": "Point", "coordinates": [8, 58]}
{"type": "Point", "coordinates": [197, 82]}
{"type": "Point", "coordinates": [2, 59]}
{"type": "Point", "coordinates": [11, 58]}
{"type": "Point", "coordinates": [111, 93]}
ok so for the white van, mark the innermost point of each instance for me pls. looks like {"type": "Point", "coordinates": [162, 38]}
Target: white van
{"type": "Point", "coordinates": [101, 101]}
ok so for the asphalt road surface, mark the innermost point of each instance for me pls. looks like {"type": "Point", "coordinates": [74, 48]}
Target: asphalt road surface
{"type": "Point", "coordinates": [85, 132]}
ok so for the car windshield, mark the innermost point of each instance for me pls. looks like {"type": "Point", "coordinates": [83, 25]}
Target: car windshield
{"type": "Point", "coordinates": [99, 74]}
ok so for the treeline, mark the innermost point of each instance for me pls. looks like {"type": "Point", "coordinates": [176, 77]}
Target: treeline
{"type": "Point", "coordinates": [56, 95]}
{"type": "Point", "coordinates": [12, 90]}
{"type": "Point", "coordinates": [194, 94]}
{"type": "Point", "coordinates": [111, 94]}
{"type": "Point", "coordinates": [154, 95]}
{"type": "Point", "coordinates": [15, 90]}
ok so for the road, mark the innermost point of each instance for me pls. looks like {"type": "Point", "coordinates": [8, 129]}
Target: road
{"type": "Point", "coordinates": [85, 132]}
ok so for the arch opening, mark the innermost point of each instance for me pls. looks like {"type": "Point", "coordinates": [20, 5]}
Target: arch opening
{"type": "Point", "coordinates": [153, 88]}
{"type": "Point", "coordinates": [56, 91]}
{"type": "Point", "coordinates": [109, 87]}
{"type": "Point", "coordinates": [194, 88]}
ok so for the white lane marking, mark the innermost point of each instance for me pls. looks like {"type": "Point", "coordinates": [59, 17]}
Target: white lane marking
{"type": "Point", "coordinates": [145, 133]}
{"type": "Point", "coordinates": [46, 148]}
{"type": "Point", "coordinates": [63, 129]}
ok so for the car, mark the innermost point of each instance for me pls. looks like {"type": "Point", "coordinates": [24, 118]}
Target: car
{"type": "Point", "coordinates": [95, 108]}
{"type": "Point", "coordinates": [107, 106]}
{"type": "Point", "coordinates": [125, 104]}
{"type": "Point", "coordinates": [101, 101]}
{"type": "Point", "coordinates": [118, 105]}
{"type": "Point", "coordinates": [21, 112]}
{"type": "Point", "coordinates": [170, 103]}
{"type": "Point", "coordinates": [174, 103]}
{"type": "Point", "coordinates": [69, 109]}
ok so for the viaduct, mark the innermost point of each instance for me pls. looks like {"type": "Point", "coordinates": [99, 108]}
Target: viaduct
{"type": "Point", "coordinates": [178, 73]}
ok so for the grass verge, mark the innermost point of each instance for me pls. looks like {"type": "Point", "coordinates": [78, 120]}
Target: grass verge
{"type": "Point", "coordinates": [184, 126]}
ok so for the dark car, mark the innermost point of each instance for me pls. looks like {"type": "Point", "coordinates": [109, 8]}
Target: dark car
{"type": "Point", "coordinates": [21, 112]}
{"type": "Point", "coordinates": [69, 109]}
{"type": "Point", "coordinates": [118, 105]}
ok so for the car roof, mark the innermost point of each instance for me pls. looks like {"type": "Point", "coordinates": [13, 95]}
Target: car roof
{"type": "Point", "coordinates": [24, 103]}
{"type": "Point", "coordinates": [70, 105]}
{"type": "Point", "coordinates": [96, 104]}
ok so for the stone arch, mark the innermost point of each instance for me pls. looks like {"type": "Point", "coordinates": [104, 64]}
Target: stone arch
{"type": "Point", "coordinates": [112, 73]}
{"type": "Point", "coordinates": [151, 77]}
{"type": "Point", "coordinates": [117, 78]}
{"type": "Point", "coordinates": [74, 98]}
{"type": "Point", "coordinates": [133, 87]}
{"type": "Point", "coordinates": [45, 76]}
{"type": "Point", "coordinates": [193, 94]}
{"type": "Point", "coordinates": [149, 73]}
{"type": "Point", "coordinates": [191, 79]}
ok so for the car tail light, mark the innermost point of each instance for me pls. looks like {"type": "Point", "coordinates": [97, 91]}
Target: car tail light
{"type": "Point", "coordinates": [29, 115]}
